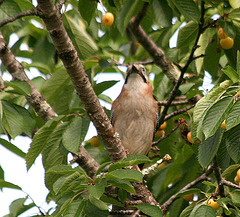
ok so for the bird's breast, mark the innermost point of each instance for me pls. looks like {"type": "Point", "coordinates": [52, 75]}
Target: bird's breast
{"type": "Point", "coordinates": [136, 121]}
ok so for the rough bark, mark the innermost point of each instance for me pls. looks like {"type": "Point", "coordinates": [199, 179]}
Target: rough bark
{"type": "Point", "coordinates": [80, 80]}
{"type": "Point", "coordinates": [157, 53]}
{"type": "Point", "coordinates": [15, 68]}
{"type": "Point", "coordinates": [37, 101]}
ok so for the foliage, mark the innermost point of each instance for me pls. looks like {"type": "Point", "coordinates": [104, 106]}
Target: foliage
{"type": "Point", "coordinates": [100, 49]}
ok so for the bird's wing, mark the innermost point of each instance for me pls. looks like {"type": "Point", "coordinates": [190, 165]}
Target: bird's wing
{"type": "Point", "coordinates": [157, 125]}
{"type": "Point", "coordinates": [111, 116]}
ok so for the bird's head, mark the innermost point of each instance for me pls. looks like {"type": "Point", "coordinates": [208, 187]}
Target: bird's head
{"type": "Point", "coordinates": [136, 69]}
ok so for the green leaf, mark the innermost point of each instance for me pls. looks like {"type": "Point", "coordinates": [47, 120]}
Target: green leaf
{"type": "Point", "coordinates": [65, 182]}
{"type": "Point", "coordinates": [21, 87]}
{"type": "Point", "coordinates": [92, 211]}
{"type": "Point", "coordinates": [61, 169]}
{"type": "Point", "coordinates": [209, 183]}
{"type": "Point", "coordinates": [97, 190]}
{"type": "Point", "coordinates": [84, 44]}
{"type": "Point", "coordinates": [8, 9]}
{"type": "Point", "coordinates": [203, 43]}
{"type": "Point", "coordinates": [110, 200]}
{"type": "Point", "coordinates": [232, 143]}
{"type": "Point", "coordinates": [234, 3]}
{"type": "Point", "coordinates": [44, 57]}
{"type": "Point", "coordinates": [98, 203]}
{"type": "Point", "coordinates": [12, 148]}
{"type": "Point", "coordinates": [1, 173]}
{"type": "Point", "coordinates": [188, 8]}
{"type": "Point", "coordinates": [202, 210]}
{"type": "Point", "coordinates": [100, 87]}
{"type": "Point", "coordinates": [233, 118]}
{"type": "Point", "coordinates": [187, 34]}
{"type": "Point", "coordinates": [186, 212]}
{"type": "Point", "coordinates": [126, 185]}
{"type": "Point", "coordinates": [75, 133]}
{"type": "Point", "coordinates": [12, 121]}
{"type": "Point", "coordinates": [238, 64]}
{"type": "Point", "coordinates": [213, 54]}
{"type": "Point", "coordinates": [162, 12]}
{"type": "Point", "coordinates": [64, 206]}
{"type": "Point", "coordinates": [128, 10]}
{"type": "Point", "coordinates": [235, 195]}
{"type": "Point", "coordinates": [74, 209]}
{"type": "Point", "coordinates": [227, 172]}
{"type": "Point", "coordinates": [150, 210]}
{"type": "Point", "coordinates": [188, 191]}
{"type": "Point", "coordinates": [29, 122]}
{"type": "Point", "coordinates": [130, 160]}
{"type": "Point", "coordinates": [231, 73]}
{"type": "Point", "coordinates": [87, 9]}
{"type": "Point", "coordinates": [102, 166]}
{"type": "Point", "coordinates": [122, 195]}
{"type": "Point", "coordinates": [126, 174]}
{"type": "Point", "coordinates": [54, 154]}
{"type": "Point", "coordinates": [204, 103]}
{"type": "Point", "coordinates": [208, 148]}
{"type": "Point", "coordinates": [17, 207]}
{"type": "Point", "coordinates": [59, 91]}
{"type": "Point", "coordinates": [41, 139]}
{"type": "Point", "coordinates": [215, 115]}
{"type": "Point", "coordinates": [5, 184]}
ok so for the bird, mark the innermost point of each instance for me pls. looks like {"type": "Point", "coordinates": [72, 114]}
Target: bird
{"type": "Point", "coordinates": [134, 113]}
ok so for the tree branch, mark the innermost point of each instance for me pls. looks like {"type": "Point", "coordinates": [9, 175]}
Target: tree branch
{"type": "Point", "coordinates": [178, 112]}
{"type": "Point", "coordinates": [219, 178]}
{"type": "Point", "coordinates": [32, 12]}
{"type": "Point", "coordinates": [174, 103]}
{"type": "Point", "coordinates": [167, 135]}
{"type": "Point", "coordinates": [158, 54]}
{"type": "Point", "coordinates": [201, 178]}
{"type": "Point", "coordinates": [185, 67]}
{"type": "Point", "coordinates": [74, 67]}
{"type": "Point", "coordinates": [15, 68]}
{"type": "Point", "coordinates": [40, 105]}
{"type": "Point", "coordinates": [230, 184]}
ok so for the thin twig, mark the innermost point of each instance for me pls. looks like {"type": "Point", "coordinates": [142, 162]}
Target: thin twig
{"type": "Point", "coordinates": [32, 12]}
{"type": "Point", "coordinates": [185, 67]}
{"type": "Point", "coordinates": [167, 135]}
{"type": "Point", "coordinates": [140, 62]}
{"type": "Point", "coordinates": [201, 178]}
{"type": "Point", "coordinates": [157, 53]}
{"type": "Point", "coordinates": [218, 176]}
{"type": "Point", "coordinates": [174, 103]}
{"type": "Point", "coordinates": [230, 184]}
{"type": "Point", "coordinates": [147, 170]}
{"type": "Point", "coordinates": [121, 212]}
{"type": "Point", "coordinates": [178, 112]}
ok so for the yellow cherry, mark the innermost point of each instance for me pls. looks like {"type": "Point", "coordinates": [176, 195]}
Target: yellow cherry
{"type": "Point", "coordinates": [159, 133]}
{"type": "Point", "coordinates": [189, 138]}
{"type": "Point", "coordinates": [238, 174]}
{"type": "Point", "coordinates": [163, 126]}
{"type": "Point", "coordinates": [223, 125]}
{"type": "Point", "coordinates": [237, 179]}
{"type": "Point", "coordinates": [108, 19]}
{"type": "Point", "coordinates": [221, 34]}
{"type": "Point", "coordinates": [188, 197]}
{"type": "Point", "coordinates": [227, 43]}
{"type": "Point", "coordinates": [94, 141]}
{"type": "Point", "coordinates": [213, 204]}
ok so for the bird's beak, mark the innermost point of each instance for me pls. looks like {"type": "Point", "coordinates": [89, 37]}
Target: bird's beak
{"type": "Point", "coordinates": [135, 69]}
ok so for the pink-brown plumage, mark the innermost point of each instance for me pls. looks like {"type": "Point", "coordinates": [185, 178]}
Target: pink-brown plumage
{"type": "Point", "coordinates": [135, 112]}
